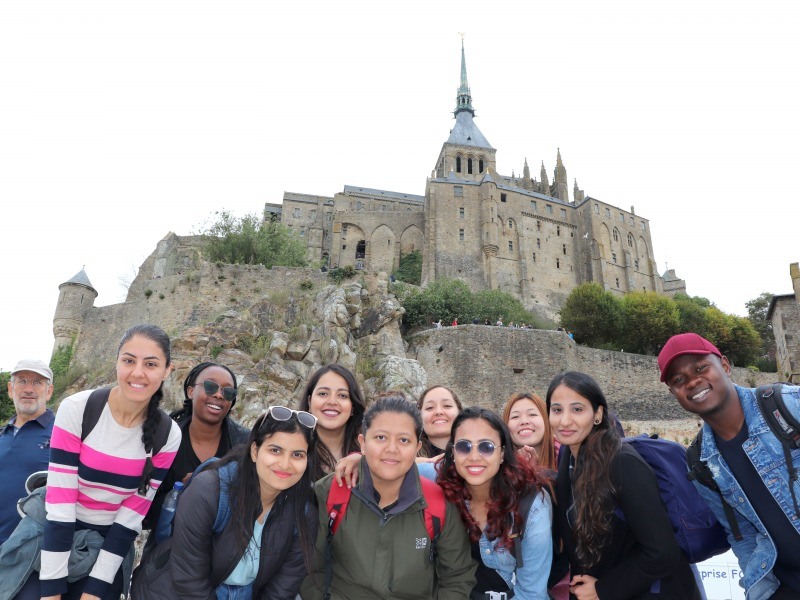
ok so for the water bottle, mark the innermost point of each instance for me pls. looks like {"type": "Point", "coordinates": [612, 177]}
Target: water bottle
{"type": "Point", "coordinates": [167, 516]}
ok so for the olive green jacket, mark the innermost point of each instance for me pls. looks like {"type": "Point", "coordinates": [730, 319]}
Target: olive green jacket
{"type": "Point", "coordinates": [379, 555]}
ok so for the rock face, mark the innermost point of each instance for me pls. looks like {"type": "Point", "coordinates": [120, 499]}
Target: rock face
{"type": "Point", "coordinates": [274, 339]}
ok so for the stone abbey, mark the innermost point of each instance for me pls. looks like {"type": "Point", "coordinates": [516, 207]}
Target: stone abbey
{"type": "Point", "coordinates": [514, 233]}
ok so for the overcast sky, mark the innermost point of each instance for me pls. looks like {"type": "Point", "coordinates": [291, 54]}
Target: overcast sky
{"type": "Point", "coordinates": [123, 121]}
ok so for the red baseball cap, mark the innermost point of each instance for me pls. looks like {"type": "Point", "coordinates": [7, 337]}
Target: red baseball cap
{"type": "Point", "coordinates": [683, 343]}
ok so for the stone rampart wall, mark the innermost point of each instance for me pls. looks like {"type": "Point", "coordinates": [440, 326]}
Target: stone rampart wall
{"type": "Point", "coordinates": [485, 365]}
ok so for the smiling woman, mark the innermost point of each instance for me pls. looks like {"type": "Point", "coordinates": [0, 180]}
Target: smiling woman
{"type": "Point", "coordinates": [210, 391]}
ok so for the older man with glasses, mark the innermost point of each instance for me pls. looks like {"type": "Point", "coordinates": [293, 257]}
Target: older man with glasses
{"type": "Point", "coordinates": [25, 439]}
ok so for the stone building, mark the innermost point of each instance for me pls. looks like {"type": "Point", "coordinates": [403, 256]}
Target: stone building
{"type": "Point", "coordinates": [784, 314]}
{"type": "Point", "coordinates": [514, 233]}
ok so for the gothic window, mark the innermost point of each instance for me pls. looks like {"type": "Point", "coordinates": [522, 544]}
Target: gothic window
{"type": "Point", "coordinates": [510, 246]}
{"type": "Point", "coordinates": [458, 191]}
{"type": "Point", "coordinates": [533, 205]}
{"type": "Point", "coordinates": [469, 166]}
{"type": "Point", "coordinates": [480, 166]}
{"type": "Point", "coordinates": [503, 197]}
{"type": "Point", "coordinates": [296, 213]}
{"type": "Point", "coordinates": [510, 224]}
{"type": "Point", "coordinates": [458, 164]}
{"type": "Point", "coordinates": [563, 213]}
{"type": "Point", "coordinates": [460, 235]}
{"type": "Point", "coordinates": [630, 240]}
{"type": "Point", "coordinates": [616, 235]}
{"type": "Point", "coordinates": [461, 212]}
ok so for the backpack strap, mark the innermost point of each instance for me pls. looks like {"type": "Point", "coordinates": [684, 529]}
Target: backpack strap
{"type": "Point", "coordinates": [518, 529]}
{"type": "Point", "coordinates": [223, 508]}
{"type": "Point", "coordinates": [783, 425]}
{"type": "Point", "coordinates": [434, 512]}
{"type": "Point", "coordinates": [699, 471]}
{"type": "Point", "coordinates": [94, 408]}
{"type": "Point", "coordinates": [336, 506]}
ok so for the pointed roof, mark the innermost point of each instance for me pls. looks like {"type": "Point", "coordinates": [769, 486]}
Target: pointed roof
{"type": "Point", "coordinates": [465, 132]}
{"type": "Point", "coordinates": [80, 278]}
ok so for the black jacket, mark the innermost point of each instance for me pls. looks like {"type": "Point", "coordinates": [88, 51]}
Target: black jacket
{"type": "Point", "coordinates": [201, 561]}
{"type": "Point", "coordinates": [641, 558]}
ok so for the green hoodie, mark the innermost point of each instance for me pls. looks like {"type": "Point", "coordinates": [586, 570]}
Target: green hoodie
{"type": "Point", "coordinates": [379, 555]}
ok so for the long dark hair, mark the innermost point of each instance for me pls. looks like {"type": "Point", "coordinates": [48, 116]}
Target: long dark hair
{"type": "Point", "coordinates": [185, 412]}
{"type": "Point", "coordinates": [592, 489]}
{"type": "Point", "coordinates": [428, 449]}
{"type": "Point", "coordinates": [150, 425]}
{"type": "Point", "coordinates": [547, 456]}
{"type": "Point", "coordinates": [515, 479]}
{"type": "Point", "coordinates": [321, 461]}
{"type": "Point", "coordinates": [245, 492]}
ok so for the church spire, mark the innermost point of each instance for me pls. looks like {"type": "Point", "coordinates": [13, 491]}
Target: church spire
{"type": "Point", "coordinates": [464, 98]}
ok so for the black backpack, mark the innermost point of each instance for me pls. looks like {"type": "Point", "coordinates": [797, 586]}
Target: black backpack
{"type": "Point", "coordinates": [94, 408]}
{"type": "Point", "coordinates": [783, 426]}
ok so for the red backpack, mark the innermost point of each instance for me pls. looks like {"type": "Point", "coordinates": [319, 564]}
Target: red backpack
{"type": "Point", "coordinates": [339, 498]}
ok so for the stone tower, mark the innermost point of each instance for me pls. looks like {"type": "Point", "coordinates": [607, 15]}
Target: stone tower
{"type": "Point", "coordinates": [75, 298]}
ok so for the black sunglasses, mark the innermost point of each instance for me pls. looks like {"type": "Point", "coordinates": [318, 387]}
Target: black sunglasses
{"type": "Point", "coordinates": [212, 387]}
{"type": "Point", "coordinates": [485, 447]}
{"type": "Point", "coordinates": [281, 413]}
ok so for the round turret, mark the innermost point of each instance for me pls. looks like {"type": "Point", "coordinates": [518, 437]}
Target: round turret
{"type": "Point", "coordinates": [75, 298]}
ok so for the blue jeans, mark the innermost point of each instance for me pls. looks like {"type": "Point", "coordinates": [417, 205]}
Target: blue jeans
{"type": "Point", "coordinates": [235, 592]}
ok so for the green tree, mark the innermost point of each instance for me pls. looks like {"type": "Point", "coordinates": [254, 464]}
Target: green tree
{"type": "Point", "coordinates": [6, 404]}
{"type": "Point", "coordinates": [757, 313]}
{"type": "Point", "coordinates": [249, 240]}
{"type": "Point", "coordinates": [692, 313]}
{"type": "Point", "coordinates": [745, 343]}
{"type": "Point", "coordinates": [648, 319]}
{"type": "Point", "coordinates": [410, 268]}
{"type": "Point", "coordinates": [593, 315]}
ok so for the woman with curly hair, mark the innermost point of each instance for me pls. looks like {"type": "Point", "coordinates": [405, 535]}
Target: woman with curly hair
{"type": "Point", "coordinates": [439, 407]}
{"type": "Point", "coordinates": [482, 475]}
{"type": "Point", "coordinates": [609, 514]}
{"type": "Point", "coordinates": [333, 396]}
{"type": "Point", "coordinates": [525, 414]}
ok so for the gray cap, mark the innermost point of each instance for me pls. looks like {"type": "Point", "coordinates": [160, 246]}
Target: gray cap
{"type": "Point", "coordinates": [37, 366]}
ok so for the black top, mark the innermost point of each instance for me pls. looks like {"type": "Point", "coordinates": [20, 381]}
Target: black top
{"type": "Point", "coordinates": [486, 578]}
{"type": "Point", "coordinates": [780, 529]}
{"type": "Point", "coordinates": [640, 558]}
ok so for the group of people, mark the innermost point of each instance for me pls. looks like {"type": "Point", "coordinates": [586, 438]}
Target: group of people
{"type": "Point", "coordinates": [347, 499]}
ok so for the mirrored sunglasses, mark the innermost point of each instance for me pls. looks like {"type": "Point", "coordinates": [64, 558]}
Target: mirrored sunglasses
{"type": "Point", "coordinates": [485, 447]}
{"type": "Point", "coordinates": [212, 387]}
{"type": "Point", "coordinates": [282, 413]}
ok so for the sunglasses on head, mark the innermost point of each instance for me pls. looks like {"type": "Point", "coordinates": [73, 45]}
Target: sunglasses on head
{"type": "Point", "coordinates": [212, 387]}
{"type": "Point", "coordinates": [485, 447]}
{"type": "Point", "coordinates": [281, 413]}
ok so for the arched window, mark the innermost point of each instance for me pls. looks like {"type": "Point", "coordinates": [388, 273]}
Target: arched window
{"type": "Point", "coordinates": [469, 166]}
{"type": "Point", "coordinates": [361, 248]}
{"type": "Point", "coordinates": [510, 224]}
{"type": "Point", "coordinates": [458, 164]}
{"type": "Point", "coordinates": [630, 240]}
{"type": "Point", "coordinates": [616, 235]}
{"type": "Point", "coordinates": [480, 166]}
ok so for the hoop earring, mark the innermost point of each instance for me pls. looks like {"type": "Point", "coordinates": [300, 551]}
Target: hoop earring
{"type": "Point", "coordinates": [597, 422]}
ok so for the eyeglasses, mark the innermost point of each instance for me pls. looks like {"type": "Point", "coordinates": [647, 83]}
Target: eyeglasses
{"type": "Point", "coordinates": [281, 413]}
{"type": "Point", "coordinates": [212, 387]}
{"type": "Point", "coordinates": [38, 384]}
{"type": "Point", "coordinates": [485, 447]}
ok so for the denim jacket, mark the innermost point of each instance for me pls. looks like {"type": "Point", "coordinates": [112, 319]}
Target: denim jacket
{"type": "Point", "coordinates": [756, 552]}
{"type": "Point", "coordinates": [530, 581]}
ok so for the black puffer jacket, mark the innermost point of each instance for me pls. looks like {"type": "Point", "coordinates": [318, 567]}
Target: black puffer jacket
{"type": "Point", "coordinates": [200, 561]}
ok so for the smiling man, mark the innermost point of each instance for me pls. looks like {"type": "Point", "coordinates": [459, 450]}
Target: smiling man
{"type": "Point", "coordinates": [25, 439]}
{"type": "Point", "coordinates": [747, 462]}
